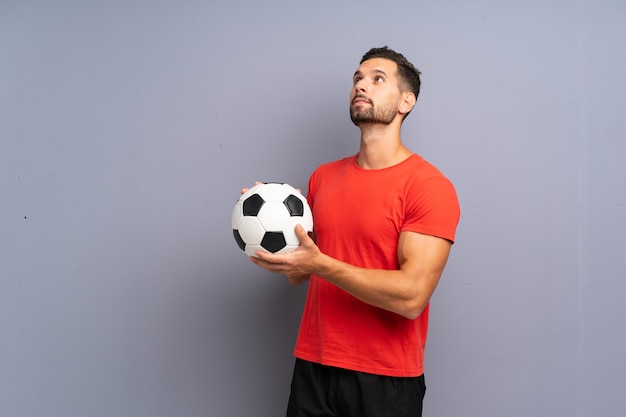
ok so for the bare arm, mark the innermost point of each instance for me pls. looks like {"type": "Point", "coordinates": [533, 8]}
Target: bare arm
{"type": "Point", "coordinates": [405, 291]}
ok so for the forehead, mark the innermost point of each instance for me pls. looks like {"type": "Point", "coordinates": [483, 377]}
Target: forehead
{"type": "Point", "coordinates": [384, 65]}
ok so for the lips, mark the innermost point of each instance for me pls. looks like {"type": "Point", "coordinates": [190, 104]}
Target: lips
{"type": "Point", "coordinates": [361, 99]}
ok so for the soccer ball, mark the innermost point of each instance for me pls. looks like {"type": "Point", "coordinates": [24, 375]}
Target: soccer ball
{"type": "Point", "coordinates": [265, 216]}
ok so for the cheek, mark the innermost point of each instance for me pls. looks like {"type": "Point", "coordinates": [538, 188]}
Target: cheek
{"type": "Point", "coordinates": [393, 99]}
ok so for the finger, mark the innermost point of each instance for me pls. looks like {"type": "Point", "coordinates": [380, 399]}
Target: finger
{"type": "Point", "coordinates": [244, 190]}
{"type": "Point", "coordinates": [259, 262]}
{"type": "Point", "coordinates": [265, 257]}
{"type": "Point", "coordinates": [301, 233]}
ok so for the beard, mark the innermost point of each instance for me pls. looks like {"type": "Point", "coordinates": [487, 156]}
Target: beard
{"type": "Point", "coordinates": [372, 114]}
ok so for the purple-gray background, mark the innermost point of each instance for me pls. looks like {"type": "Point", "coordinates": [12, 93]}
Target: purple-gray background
{"type": "Point", "coordinates": [127, 129]}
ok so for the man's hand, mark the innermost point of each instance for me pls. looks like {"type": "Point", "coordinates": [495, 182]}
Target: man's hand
{"type": "Point", "coordinates": [298, 265]}
{"type": "Point", "coordinates": [243, 190]}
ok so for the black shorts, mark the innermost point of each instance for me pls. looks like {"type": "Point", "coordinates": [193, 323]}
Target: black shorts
{"type": "Point", "coordinates": [324, 391]}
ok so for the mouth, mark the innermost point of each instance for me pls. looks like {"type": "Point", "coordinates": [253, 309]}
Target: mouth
{"type": "Point", "coordinates": [361, 100]}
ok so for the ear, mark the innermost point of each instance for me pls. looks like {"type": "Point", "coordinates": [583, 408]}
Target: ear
{"type": "Point", "coordinates": [407, 103]}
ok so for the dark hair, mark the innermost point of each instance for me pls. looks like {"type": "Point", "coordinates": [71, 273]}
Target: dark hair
{"type": "Point", "coordinates": [408, 75]}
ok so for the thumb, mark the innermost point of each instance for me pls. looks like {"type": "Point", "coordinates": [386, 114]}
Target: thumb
{"type": "Point", "coordinates": [301, 233]}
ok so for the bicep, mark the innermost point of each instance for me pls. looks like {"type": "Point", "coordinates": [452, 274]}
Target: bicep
{"type": "Point", "coordinates": [423, 258]}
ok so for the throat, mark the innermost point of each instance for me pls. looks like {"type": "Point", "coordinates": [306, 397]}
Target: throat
{"type": "Point", "coordinates": [380, 159]}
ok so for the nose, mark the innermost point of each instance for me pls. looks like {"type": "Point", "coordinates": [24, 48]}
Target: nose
{"type": "Point", "coordinates": [360, 85]}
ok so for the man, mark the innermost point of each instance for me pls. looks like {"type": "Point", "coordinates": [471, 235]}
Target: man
{"type": "Point", "coordinates": [385, 220]}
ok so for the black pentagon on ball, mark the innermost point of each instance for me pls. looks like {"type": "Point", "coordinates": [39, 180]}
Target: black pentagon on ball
{"type": "Point", "coordinates": [240, 242]}
{"type": "Point", "coordinates": [273, 241]}
{"type": "Point", "coordinates": [294, 205]}
{"type": "Point", "coordinates": [252, 205]}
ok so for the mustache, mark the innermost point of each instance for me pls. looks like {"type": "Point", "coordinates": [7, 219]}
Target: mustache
{"type": "Point", "coordinates": [361, 96]}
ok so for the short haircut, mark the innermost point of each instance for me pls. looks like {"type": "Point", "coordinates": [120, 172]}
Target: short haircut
{"type": "Point", "coordinates": [408, 75]}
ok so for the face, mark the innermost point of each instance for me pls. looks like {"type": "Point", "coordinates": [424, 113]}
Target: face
{"type": "Point", "coordinates": [375, 96]}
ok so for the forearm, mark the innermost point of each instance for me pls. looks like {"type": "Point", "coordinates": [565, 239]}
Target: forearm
{"type": "Point", "coordinates": [405, 291]}
{"type": "Point", "coordinates": [392, 290]}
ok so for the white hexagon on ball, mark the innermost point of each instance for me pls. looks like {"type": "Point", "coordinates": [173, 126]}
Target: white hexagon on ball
{"type": "Point", "coordinates": [251, 230]}
{"type": "Point", "coordinates": [273, 216]}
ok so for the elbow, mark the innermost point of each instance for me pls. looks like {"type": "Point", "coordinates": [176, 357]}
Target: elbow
{"type": "Point", "coordinates": [412, 315]}
{"type": "Point", "coordinates": [413, 310]}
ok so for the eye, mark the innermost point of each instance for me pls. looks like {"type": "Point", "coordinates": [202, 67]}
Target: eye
{"type": "Point", "coordinates": [379, 79]}
{"type": "Point", "coordinates": [357, 79]}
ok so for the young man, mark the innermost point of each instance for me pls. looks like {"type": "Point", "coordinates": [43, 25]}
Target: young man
{"type": "Point", "coordinates": [385, 220]}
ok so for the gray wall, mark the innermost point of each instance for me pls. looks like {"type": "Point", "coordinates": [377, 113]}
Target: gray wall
{"type": "Point", "coordinates": [127, 129]}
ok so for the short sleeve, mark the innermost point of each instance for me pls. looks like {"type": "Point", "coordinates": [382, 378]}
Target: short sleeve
{"type": "Point", "coordinates": [432, 208]}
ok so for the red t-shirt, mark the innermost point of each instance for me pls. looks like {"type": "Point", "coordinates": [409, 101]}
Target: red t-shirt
{"type": "Point", "coordinates": [358, 217]}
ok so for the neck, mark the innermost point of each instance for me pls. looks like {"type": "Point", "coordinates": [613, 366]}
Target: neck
{"type": "Point", "coordinates": [381, 146]}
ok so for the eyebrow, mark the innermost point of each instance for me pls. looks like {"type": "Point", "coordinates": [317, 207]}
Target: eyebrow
{"type": "Point", "coordinates": [376, 71]}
